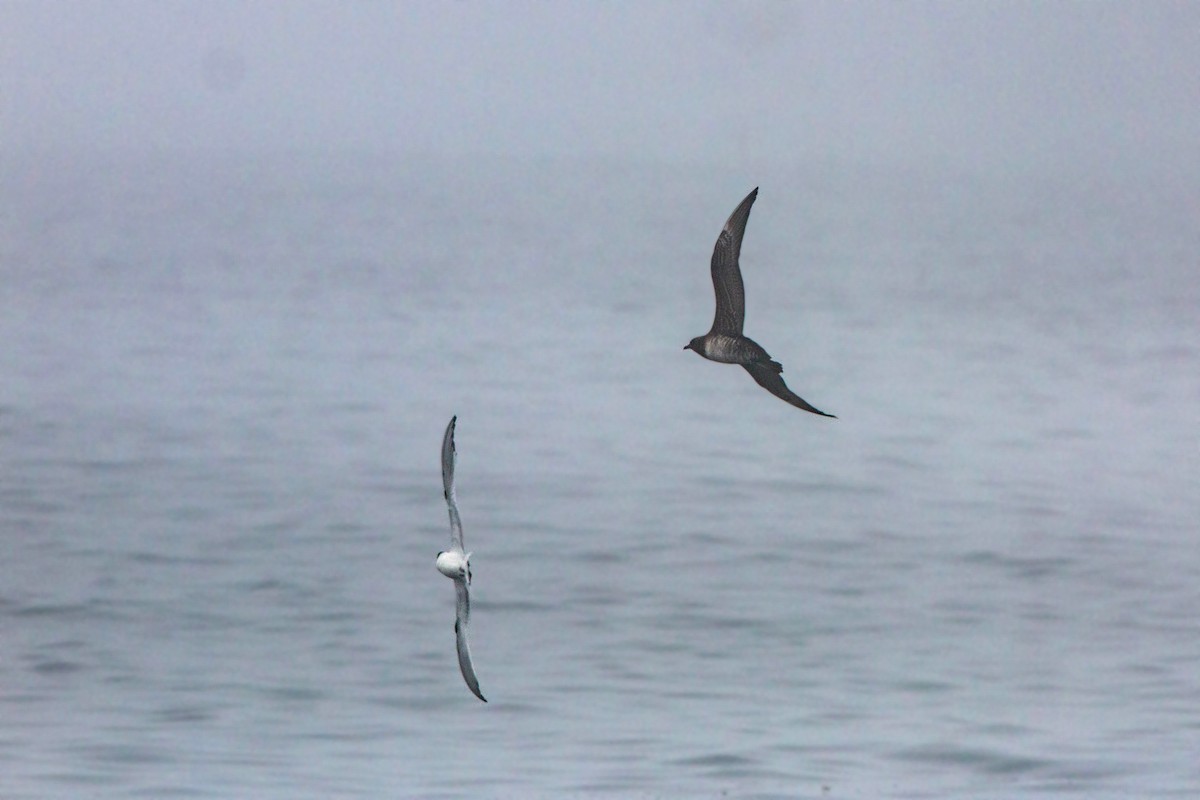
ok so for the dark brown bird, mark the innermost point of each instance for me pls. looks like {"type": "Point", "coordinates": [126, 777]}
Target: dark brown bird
{"type": "Point", "coordinates": [724, 342]}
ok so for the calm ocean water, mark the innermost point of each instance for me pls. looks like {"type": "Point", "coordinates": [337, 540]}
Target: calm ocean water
{"type": "Point", "coordinates": [222, 392]}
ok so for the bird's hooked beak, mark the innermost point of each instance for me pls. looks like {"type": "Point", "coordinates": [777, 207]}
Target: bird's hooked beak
{"type": "Point", "coordinates": [687, 346]}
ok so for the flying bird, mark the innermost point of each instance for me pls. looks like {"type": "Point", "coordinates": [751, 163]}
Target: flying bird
{"type": "Point", "coordinates": [724, 342]}
{"type": "Point", "coordinates": [456, 565]}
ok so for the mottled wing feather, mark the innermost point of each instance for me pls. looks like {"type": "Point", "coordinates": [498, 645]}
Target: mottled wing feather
{"type": "Point", "coordinates": [767, 375]}
{"type": "Point", "coordinates": [448, 458]}
{"type": "Point", "coordinates": [461, 623]}
{"type": "Point", "coordinates": [727, 274]}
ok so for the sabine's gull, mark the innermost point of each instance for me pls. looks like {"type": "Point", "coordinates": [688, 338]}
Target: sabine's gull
{"type": "Point", "coordinates": [456, 564]}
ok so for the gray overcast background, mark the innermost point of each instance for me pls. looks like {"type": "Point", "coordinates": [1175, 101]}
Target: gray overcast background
{"type": "Point", "coordinates": [980, 84]}
{"type": "Point", "coordinates": [254, 255]}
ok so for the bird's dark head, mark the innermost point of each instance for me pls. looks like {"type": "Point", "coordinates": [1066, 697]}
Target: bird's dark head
{"type": "Point", "coordinates": [696, 344]}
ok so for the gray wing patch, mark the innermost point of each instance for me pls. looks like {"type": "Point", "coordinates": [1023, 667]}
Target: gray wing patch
{"type": "Point", "coordinates": [462, 610]}
{"type": "Point", "coordinates": [767, 375]}
{"type": "Point", "coordinates": [461, 623]}
{"type": "Point", "coordinates": [448, 459]}
{"type": "Point", "coordinates": [726, 271]}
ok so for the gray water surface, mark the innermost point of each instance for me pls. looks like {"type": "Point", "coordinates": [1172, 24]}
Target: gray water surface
{"type": "Point", "coordinates": [222, 392]}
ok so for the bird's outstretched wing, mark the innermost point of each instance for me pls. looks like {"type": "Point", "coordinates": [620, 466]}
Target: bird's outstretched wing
{"type": "Point", "coordinates": [448, 457]}
{"type": "Point", "coordinates": [727, 274]}
{"type": "Point", "coordinates": [461, 623]}
{"type": "Point", "coordinates": [767, 375]}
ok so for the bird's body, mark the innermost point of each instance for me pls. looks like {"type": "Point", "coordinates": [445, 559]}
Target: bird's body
{"type": "Point", "coordinates": [455, 564]}
{"type": "Point", "coordinates": [724, 341]}
{"type": "Point", "coordinates": [729, 349]}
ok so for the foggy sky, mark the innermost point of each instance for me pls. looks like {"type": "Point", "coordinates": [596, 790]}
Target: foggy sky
{"type": "Point", "coordinates": [971, 82]}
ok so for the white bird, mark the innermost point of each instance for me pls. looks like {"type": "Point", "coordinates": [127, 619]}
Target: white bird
{"type": "Point", "coordinates": [456, 565]}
